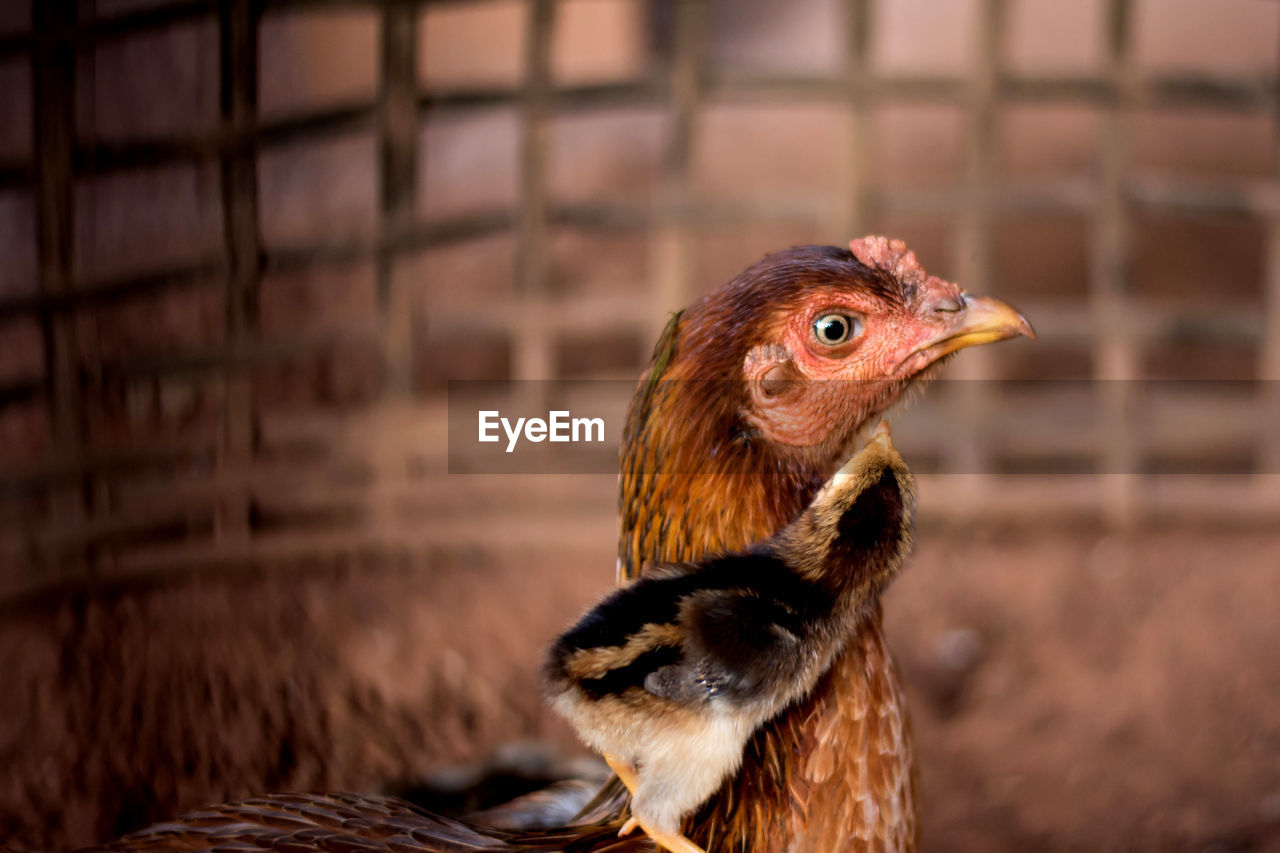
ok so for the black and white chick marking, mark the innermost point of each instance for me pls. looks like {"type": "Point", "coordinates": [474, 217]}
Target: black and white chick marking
{"type": "Point", "coordinates": [669, 677]}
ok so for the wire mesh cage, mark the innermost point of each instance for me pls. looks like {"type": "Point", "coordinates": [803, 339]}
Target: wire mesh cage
{"type": "Point", "coordinates": [233, 276]}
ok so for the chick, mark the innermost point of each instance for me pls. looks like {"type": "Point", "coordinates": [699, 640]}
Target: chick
{"type": "Point", "coordinates": [670, 676]}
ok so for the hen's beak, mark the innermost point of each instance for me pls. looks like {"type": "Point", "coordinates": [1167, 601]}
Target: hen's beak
{"type": "Point", "coordinates": [980, 320]}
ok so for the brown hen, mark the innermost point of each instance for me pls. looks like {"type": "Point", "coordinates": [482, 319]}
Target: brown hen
{"type": "Point", "coordinates": [755, 396]}
{"type": "Point", "coordinates": [751, 404]}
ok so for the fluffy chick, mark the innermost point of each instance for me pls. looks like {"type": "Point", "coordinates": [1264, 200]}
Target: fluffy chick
{"type": "Point", "coordinates": [670, 676]}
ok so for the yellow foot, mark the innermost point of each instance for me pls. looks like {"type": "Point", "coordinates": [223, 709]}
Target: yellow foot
{"type": "Point", "coordinates": [675, 842]}
{"type": "Point", "coordinates": [626, 772]}
{"type": "Point", "coordinates": [628, 827]}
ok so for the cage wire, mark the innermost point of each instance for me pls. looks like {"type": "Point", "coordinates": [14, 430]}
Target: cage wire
{"type": "Point", "coordinates": [193, 495]}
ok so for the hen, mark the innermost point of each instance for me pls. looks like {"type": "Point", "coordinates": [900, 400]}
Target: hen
{"type": "Point", "coordinates": [755, 396]}
{"type": "Point", "coordinates": [761, 387]}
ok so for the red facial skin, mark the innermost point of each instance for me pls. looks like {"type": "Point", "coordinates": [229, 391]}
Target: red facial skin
{"type": "Point", "coordinates": [802, 389]}
{"type": "Point", "coordinates": [899, 332]}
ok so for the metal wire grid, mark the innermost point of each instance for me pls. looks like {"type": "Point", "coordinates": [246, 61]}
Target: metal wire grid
{"type": "Point", "coordinates": [1110, 325]}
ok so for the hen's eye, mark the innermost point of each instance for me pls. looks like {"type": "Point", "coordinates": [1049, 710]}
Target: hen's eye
{"type": "Point", "coordinates": [833, 329]}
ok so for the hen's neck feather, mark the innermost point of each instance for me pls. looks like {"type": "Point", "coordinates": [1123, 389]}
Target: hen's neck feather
{"type": "Point", "coordinates": [695, 480]}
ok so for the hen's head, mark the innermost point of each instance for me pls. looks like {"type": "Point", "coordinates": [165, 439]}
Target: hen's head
{"type": "Point", "coordinates": [826, 338]}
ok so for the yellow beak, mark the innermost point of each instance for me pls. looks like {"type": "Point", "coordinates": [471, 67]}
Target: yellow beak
{"type": "Point", "coordinates": [982, 320]}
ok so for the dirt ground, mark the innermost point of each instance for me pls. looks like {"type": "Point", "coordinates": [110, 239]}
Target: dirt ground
{"type": "Point", "coordinates": [1070, 689]}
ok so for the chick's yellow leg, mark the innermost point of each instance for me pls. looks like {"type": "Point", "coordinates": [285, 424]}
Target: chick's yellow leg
{"type": "Point", "coordinates": [624, 771]}
{"type": "Point", "coordinates": [673, 841]}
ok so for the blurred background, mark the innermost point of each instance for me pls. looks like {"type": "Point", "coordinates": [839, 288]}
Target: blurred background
{"type": "Point", "coordinates": [245, 245]}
